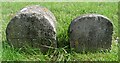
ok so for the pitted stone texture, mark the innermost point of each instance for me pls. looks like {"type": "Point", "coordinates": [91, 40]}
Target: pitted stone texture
{"type": "Point", "coordinates": [90, 32]}
{"type": "Point", "coordinates": [33, 26]}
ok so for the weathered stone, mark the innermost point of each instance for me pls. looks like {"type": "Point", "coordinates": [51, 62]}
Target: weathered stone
{"type": "Point", "coordinates": [90, 32]}
{"type": "Point", "coordinates": [33, 26]}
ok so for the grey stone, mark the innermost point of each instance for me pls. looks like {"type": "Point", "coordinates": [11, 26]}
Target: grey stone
{"type": "Point", "coordinates": [90, 32]}
{"type": "Point", "coordinates": [33, 26]}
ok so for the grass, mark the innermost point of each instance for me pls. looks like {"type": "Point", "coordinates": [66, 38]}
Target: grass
{"type": "Point", "coordinates": [64, 13]}
{"type": "Point", "coordinates": [0, 34]}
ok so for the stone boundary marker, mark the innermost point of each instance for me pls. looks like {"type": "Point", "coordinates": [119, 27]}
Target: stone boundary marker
{"type": "Point", "coordinates": [90, 32]}
{"type": "Point", "coordinates": [33, 26]}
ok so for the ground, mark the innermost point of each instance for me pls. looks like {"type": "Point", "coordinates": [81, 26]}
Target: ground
{"type": "Point", "coordinates": [64, 13]}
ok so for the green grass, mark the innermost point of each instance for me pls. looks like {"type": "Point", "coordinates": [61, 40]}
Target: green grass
{"type": "Point", "coordinates": [0, 34]}
{"type": "Point", "coordinates": [64, 13]}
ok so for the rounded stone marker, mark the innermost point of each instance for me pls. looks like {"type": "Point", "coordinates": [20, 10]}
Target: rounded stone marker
{"type": "Point", "coordinates": [33, 26]}
{"type": "Point", "coordinates": [90, 32]}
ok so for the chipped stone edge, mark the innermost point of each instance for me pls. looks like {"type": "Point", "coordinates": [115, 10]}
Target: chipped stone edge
{"type": "Point", "coordinates": [92, 15]}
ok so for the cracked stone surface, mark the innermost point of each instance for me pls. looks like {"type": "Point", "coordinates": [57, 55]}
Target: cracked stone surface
{"type": "Point", "coordinates": [33, 26]}
{"type": "Point", "coordinates": [90, 32]}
